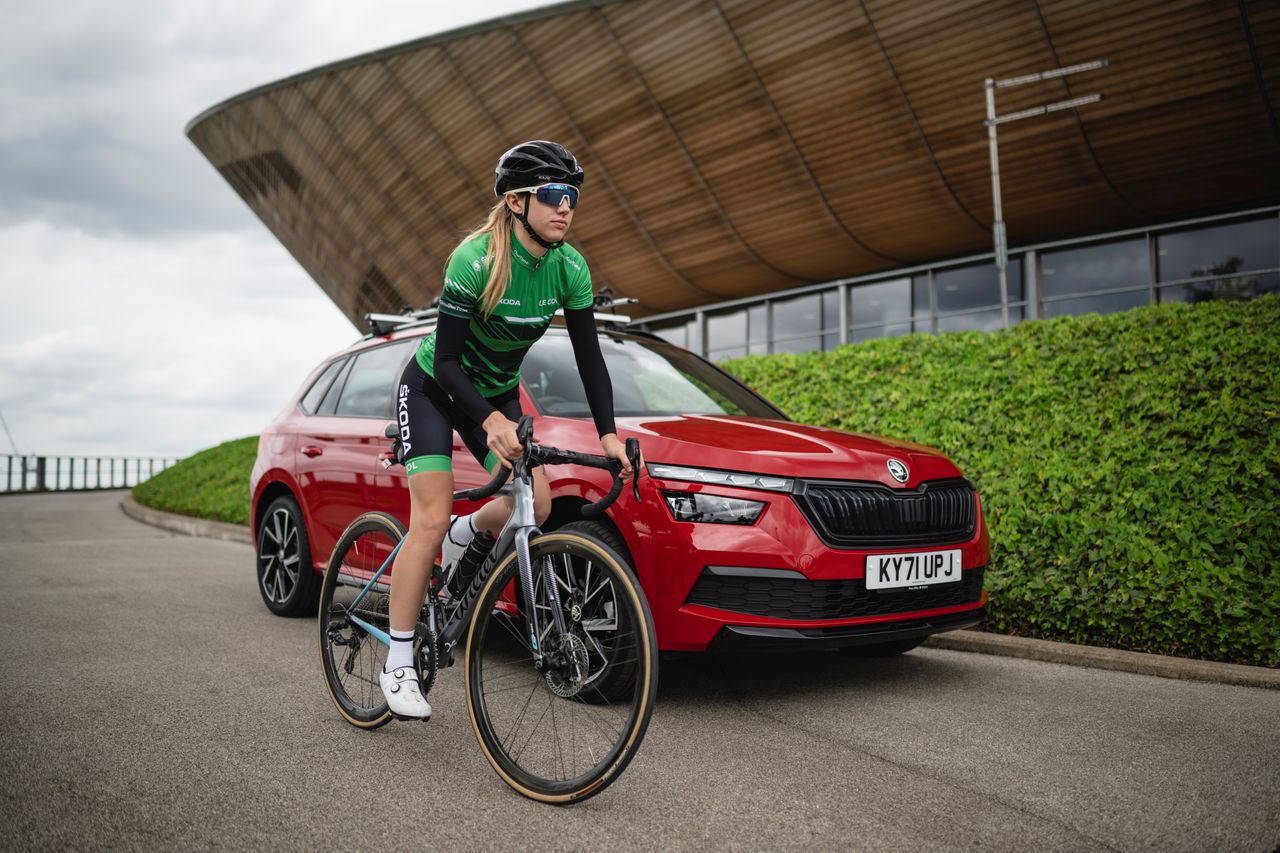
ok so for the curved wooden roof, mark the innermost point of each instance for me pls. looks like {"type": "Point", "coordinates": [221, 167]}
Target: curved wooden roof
{"type": "Point", "coordinates": [737, 147]}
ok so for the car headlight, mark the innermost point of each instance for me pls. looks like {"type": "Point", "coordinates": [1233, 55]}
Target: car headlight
{"type": "Point", "coordinates": [720, 478]}
{"type": "Point", "coordinates": [714, 509]}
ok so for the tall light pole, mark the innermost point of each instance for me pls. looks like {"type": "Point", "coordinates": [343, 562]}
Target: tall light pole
{"type": "Point", "coordinates": [997, 227]}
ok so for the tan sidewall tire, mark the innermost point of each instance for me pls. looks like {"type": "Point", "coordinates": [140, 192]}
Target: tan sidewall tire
{"type": "Point", "coordinates": [393, 527]}
{"type": "Point", "coordinates": [642, 718]}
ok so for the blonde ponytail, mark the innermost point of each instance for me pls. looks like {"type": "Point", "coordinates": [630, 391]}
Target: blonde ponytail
{"type": "Point", "coordinates": [498, 257]}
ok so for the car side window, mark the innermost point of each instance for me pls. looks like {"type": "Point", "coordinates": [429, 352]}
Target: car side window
{"type": "Point", "coordinates": [330, 401]}
{"type": "Point", "coordinates": [370, 387]}
{"type": "Point", "coordinates": [310, 401]}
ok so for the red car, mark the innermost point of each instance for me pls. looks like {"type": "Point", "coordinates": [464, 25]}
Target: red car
{"type": "Point", "coordinates": [754, 530]}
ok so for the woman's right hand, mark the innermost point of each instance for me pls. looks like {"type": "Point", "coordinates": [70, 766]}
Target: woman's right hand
{"type": "Point", "coordinates": [502, 439]}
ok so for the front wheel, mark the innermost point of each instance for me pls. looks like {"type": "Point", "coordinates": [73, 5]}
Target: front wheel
{"type": "Point", "coordinates": [565, 732]}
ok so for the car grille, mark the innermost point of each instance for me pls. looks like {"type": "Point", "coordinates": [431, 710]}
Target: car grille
{"type": "Point", "coordinates": [788, 598]}
{"type": "Point", "coordinates": [852, 515]}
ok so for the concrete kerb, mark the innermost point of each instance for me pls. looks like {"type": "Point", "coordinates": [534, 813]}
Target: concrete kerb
{"type": "Point", "coordinates": [964, 641]}
{"type": "Point", "coordinates": [1100, 658]}
{"type": "Point", "coordinates": [185, 524]}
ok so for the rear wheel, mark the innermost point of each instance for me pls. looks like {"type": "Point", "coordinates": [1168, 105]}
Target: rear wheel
{"type": "Point", "coordinates": [351, 657]}
{"type": "Point", "coordinates": [287, 580]}
{"type": "Point", "coordinates": [565, 732]}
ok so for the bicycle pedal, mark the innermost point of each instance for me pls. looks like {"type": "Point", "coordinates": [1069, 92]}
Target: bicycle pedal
{"type": "Point", "coordinates": [404, 719]}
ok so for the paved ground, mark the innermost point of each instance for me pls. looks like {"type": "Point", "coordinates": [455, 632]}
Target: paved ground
{"type": "Point", "coordinates": [151, 701]}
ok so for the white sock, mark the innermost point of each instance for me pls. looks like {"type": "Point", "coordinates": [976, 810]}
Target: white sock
{"type": "Point", "coordinates": [401, 653]}
{"type": "Point", "coordinates": [462, 531]}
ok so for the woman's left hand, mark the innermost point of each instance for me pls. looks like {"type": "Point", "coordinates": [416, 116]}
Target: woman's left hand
{"type": "Point", "coordinates": [615, 449]}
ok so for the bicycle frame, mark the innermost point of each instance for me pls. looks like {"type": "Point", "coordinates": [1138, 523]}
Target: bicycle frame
{"type": "Point", "coordinates": [520, 527]}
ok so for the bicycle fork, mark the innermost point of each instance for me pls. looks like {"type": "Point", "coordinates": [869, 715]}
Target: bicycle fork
{"type": "Point", "coordinates": [519, 529]}
{"type": "Point", "coordinates": [524, 525]}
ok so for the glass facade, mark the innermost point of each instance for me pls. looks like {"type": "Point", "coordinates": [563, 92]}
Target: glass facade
{"type": "Point", "coordinates": [1101, 278]}
{"type": "Point", "coordinates": [1227, 257]}
{"type": "Point", "coordinates": [1222, 262]}
{"type": "Point", "coordinates": [882, 309]}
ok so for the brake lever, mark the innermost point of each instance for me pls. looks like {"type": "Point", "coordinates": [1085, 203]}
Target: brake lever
{"type": "Point", "coordinates": [633, 456]}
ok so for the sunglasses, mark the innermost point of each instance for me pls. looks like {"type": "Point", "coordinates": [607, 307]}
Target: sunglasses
{"type": "Point", "coordinates": [553, 194]}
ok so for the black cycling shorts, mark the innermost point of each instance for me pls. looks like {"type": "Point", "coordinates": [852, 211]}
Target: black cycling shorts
{"type": "Point", "coordinates": [428, 417]}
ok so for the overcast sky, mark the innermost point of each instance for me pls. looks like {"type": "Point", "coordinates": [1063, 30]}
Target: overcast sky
{"type": "Point", "coordinates": [144, 310]}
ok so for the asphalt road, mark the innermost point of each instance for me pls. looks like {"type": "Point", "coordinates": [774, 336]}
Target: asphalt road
{"type": "Point", "coordinates": [150, 701]}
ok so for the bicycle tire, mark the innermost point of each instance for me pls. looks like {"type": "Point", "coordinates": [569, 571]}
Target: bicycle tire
{"type": "Point", "coordinates": [594, 575]}
{"type": "Point", "coordinates": [344, 646]}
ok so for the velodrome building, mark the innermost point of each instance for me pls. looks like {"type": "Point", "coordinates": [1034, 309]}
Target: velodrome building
{"type": "Point", "coordinates": [788, 176]}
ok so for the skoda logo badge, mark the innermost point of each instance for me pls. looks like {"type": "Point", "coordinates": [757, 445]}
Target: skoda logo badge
{"type": "Point", "coordinates": [898, 470]}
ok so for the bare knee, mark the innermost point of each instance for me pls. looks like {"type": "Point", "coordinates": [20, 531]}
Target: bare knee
{"type": "Point", "coordinates": [429, 527]}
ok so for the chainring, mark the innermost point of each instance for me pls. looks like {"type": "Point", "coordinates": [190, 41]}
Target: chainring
{"type": "Point", "coordinates": [428, 657]}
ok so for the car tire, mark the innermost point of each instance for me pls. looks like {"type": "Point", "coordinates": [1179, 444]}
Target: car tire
{"type": "Point", "coordinates": [287, 580]}
{"type": "Point", "coordinates": [617, 681]}
{"type": "Point", "coordinates": [883, 650]}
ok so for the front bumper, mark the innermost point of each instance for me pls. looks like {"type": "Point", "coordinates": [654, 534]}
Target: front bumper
{"type": "Point", "coordinates": [777, 581]}
{"type": "Point", "coordinates": [737, 638]}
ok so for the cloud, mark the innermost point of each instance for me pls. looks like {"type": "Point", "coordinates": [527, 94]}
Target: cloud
{"type": "Point", "coordinates": [96, 97]}
{"type": "Point", "coordinates": [146, 310]}
{"type": "Point", "coordinates": [125, 345]}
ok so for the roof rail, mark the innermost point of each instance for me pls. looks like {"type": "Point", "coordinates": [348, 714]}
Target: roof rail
{"type": "Point", "coordinates": [385, 324]}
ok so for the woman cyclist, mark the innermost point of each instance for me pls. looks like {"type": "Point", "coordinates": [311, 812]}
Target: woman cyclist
{"type": "Point", "coordinates": [502, 286]}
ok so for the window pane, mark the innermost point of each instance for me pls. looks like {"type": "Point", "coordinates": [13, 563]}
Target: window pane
{"type": "Point", "coordinates": [830, 341]}
{"type": "Point", "coordinates": [920, 296]}
{"type": "Point", "coordinates": [758, 324]}
{"type": "Point", "coordinates": [1096, 304]}
{"type": "Point", "coordinates": [976, 286]}
{"type": "Point", "coordinates": [1071, 271]}
{"type": "Point", "coordinates": [1227, 287]}
{"type": "Point", "coordinates": [727, 331]}
{"type": "Point", "coordinates": [890, 331]}
{"type": "Point", "coordinates": [758, 349]}
{"type": "Point", "coordinates": [371, 386]}
{"type": "Point", "coordinates": [882, 302]}
{"type": "Point", "coordinates": [311, 400]}
{"type": "Point", "coordinates": [982, 321]}
{"type": "Point", "coordinates": [330, 401]}
{"type": "Point", "coordinates": [649, 378]}
{"type": "Point", "coordinates": [831, 311]}
{"type": "Point", "coordinates": [808, 344]}
{"type": "Point", "coordinates": [694, 335]}
{"type": "Point", "coordinates": [1222, 249]}
{"type": "Point", "coordinates": [678, 335]}
{"type": "Point", "coordinates": [719, 355]}
{"type": "Point", "coordinates": [796, 316]}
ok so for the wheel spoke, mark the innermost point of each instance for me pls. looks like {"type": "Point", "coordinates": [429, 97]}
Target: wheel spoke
{"type": "Point", "coordinates": [351, 669]}
{"type": "Point", "coordinates": [594, 667]}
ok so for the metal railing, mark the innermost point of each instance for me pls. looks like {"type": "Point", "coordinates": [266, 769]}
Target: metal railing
{"type": "Point", "coordinates": [78, 473]}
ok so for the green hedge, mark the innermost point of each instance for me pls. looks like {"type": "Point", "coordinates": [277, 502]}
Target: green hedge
{"type": "Point", "coordinates": [1128, 463]}
{"type": "Point", "coordinates": [213, 483]}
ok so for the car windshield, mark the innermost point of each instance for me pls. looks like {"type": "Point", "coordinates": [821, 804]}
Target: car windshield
{"type": "Point", "coordinates": [649, 377]}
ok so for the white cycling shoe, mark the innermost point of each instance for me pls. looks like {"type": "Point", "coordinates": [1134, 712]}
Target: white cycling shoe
{"type": "Point", "coordinates": [404, 693]}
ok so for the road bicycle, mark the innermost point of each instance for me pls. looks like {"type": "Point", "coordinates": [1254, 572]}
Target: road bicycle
{"type": "Point", "coordinates": [558, 643]}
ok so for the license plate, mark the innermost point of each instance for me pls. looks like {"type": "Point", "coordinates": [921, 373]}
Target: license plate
{"type": "Point", "coordinates": [927, 568]}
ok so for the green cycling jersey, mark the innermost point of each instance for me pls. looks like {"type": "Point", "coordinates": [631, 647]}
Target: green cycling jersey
{"type": "Point", "coordinates": [496, 344]}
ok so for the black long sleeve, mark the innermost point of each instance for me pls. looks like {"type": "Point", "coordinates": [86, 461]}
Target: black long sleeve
{"type": "Point", "coordinates": [591, 367]}
{"type": "Point", "coordinates": [451, 332]}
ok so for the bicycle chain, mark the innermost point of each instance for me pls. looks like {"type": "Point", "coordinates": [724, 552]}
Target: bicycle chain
{"type": "Point", "coordinates": [428, 656]}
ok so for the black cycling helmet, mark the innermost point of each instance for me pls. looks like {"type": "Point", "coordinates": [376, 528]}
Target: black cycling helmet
{"type": "Point", "coordinates": [535, 162]}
